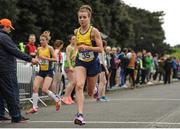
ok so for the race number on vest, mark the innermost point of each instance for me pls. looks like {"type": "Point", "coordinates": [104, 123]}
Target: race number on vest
{"type": "Point", "coordinates": [44, 65]}
{"type": "Point", "coordinates": [86, 56]}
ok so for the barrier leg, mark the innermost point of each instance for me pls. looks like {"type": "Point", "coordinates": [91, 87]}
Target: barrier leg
{"type": "Point", "coordinates": [42, 102]}
{"type": "Point", "coordinates": [6, 110]}
{"type": "Point", "coordinates": [39, 100]}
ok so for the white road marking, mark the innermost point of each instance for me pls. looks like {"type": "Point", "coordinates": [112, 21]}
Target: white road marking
{"type": "Point", "coordinates": [144, 99]}
{"type": "Point", "coordinates": [110, 122]}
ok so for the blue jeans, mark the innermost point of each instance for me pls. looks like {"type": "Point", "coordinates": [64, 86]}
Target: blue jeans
{"type": "Point", "coordinates": [123, 76]}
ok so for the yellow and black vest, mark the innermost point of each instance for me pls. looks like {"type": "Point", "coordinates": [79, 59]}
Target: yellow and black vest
{"type": "Point", "coordinates": [85, 39]}
{"type": "Point", "coordinates": [45, 65]}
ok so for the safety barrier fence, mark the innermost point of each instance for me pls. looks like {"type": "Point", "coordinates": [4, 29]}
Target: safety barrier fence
{"type": "Point", "coordinates": [25, 76]}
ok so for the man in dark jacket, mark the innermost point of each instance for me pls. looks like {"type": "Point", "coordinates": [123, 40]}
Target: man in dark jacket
{"type": "Point", "coordinates": [9, 90]}
{"type": "Point", "coordinates": [167, 70]}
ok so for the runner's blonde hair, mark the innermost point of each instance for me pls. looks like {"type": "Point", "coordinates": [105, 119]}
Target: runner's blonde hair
{"type": "Point", "coordinates": [86, 8]}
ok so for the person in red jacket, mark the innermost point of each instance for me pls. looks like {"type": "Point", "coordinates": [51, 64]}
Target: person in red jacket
{"type": "Point", "coordinates": [30, 46]}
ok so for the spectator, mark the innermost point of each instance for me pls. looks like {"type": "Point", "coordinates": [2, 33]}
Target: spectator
{"type": "Point", "coordinates": [167, 70]}
{"type": "Point", "coordinates": [30, 47]}
{"type": "Point", "coordinates": [138, 67]}
{"type": "Point", "coordinates": [8, 77]}
{"type": "Point", "coordinates": [156, 65]}
{"type": "Point", "coordinates": [108, 58]}
{"type": "Point", "coordinates": [149, 66]}
{"type": "Point", "coordinates": [144, 70]}
{"type": "Point", "coordinates": [175, 67]}
{"type": "Point", "coordinates": [114, 63]}
{"type": "Point", "coordinates": [131, 67]}
{"type": "Point", "coordinates": [22, 47]}
{"type": "Point", "coordinates": [123, 64]}
{"type": "Point", "coordinates": [161, 69]}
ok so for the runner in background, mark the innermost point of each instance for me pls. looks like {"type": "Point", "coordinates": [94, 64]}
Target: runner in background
{"type": "Point", "coordinates": [69, 65]}
{"type": "Point", "coordinates": [44, 77]}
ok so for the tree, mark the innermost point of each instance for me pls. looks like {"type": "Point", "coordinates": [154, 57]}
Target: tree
{"type": "Point", "coordinates": [32, 18]}
{"type": "Point", "coordinates": [120, 24]}
{"type": "Point", "coordinates": [125, 26]}
{"type": "Point", "coordinates": [8, 9]}
{"type": "Point", "coordinates": [148, 30]}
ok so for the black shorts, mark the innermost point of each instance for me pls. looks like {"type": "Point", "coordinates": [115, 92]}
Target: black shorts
{"type": "Point", "coordinates": [92, 67]}
{"type": "Point", "coordinates": [44, 74]}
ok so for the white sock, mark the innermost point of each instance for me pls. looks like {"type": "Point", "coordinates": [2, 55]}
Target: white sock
{"type": "Point", "coordinates": [35, 100]}
{"type": "Point", "coordinates": [52, 95]}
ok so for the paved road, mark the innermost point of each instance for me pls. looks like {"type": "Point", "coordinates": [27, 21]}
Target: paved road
{"type": "Point", "coordinates": [148, 107]}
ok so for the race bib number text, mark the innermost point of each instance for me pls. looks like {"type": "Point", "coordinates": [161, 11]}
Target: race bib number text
{"type": "Point", "coordinates": [86, 56]}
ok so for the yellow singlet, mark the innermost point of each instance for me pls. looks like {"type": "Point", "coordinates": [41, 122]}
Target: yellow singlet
{"type": "Point", "coordinates": [44, 64]}
{"type": "Point", "coordinates": [85, 39]}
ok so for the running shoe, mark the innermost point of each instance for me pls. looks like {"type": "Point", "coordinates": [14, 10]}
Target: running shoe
{"type": "Point", "coordinates": [79, 120]}
{"type": "Point", "coordinates": [70, 100]}
{"type": "Point", "coordinates": [58, 105]}
{"type": "Point", "coordinates": [31, 111]}
{"type": "Point", "coordinates": [104, 99]}
{"type": "Point", "coordinates": [66, 100]}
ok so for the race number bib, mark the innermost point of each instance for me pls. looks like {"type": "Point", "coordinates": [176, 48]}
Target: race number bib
{"type": "Point", "coordinates": [44, 65]}
{"type": "Point", "coordinates": [86, 56]}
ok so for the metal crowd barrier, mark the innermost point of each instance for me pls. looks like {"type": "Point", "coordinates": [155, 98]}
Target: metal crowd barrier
{"type": "Point", "coordinates": [25, 76]}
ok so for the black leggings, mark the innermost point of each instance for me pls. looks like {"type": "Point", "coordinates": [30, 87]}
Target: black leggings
{"type": "Point", "coordinates": [131, 73]}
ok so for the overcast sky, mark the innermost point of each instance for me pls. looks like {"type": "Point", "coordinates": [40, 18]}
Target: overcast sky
{"type": "Point", "coordinates": [171, 8]}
